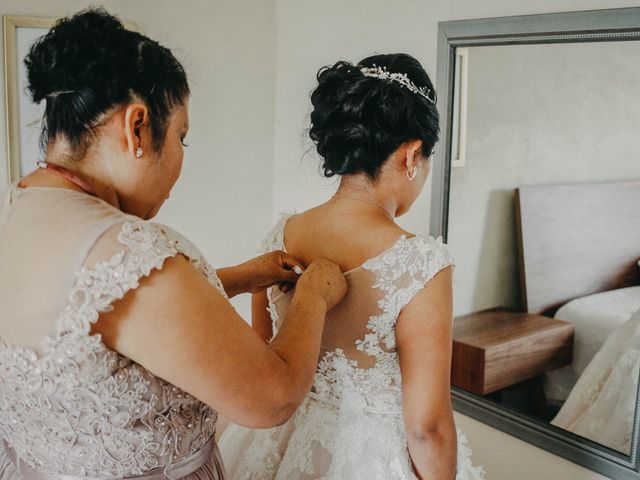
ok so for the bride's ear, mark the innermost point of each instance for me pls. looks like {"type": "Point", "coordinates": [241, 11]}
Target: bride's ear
{"type": "Point", "coordinates": [412, 154]}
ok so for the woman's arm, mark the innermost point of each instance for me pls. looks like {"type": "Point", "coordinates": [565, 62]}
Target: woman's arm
{"type": "Point", "coordinates": [181, 329]}
{"type": "Point", "coordinates": [423, 336]}
{"type": "Point", "coordinates": [260, 317]}
{"type": "Point", "coordinates": [259, 273]}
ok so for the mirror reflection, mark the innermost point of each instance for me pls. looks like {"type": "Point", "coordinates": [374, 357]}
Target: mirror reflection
{"type": "Point", "coordinates": [544, 225]}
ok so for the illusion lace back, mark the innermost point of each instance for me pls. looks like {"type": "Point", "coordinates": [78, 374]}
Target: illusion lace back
{"type": "Point", "coordinates": [350, 425]}
{"type": "Point", "coordinates": [68, 404]}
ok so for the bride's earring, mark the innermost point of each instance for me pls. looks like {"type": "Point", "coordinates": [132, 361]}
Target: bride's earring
{"type": "Point", "coordinates": [138, 152]}
{"type": "Point", "coordinates": [413, 173]}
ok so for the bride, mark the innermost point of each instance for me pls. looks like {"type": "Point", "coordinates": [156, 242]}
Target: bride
{"type": "Point", "coordinates": [379, 406]}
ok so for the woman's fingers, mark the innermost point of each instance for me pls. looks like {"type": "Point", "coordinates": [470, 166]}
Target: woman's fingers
{"type": "Point", "coordinates": [291, 263]}
{"type": "Point", "coordinates": [274, 268]}
{"type": "Point", "coordinates": [287, 276]}
{"type": "Point", "coordinates": [292, 268]}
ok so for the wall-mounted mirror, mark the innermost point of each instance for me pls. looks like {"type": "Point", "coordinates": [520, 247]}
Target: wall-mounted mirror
{"type": "Point", "coordinates": [542, 213]}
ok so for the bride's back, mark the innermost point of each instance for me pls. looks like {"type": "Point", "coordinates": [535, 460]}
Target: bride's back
{"type": "Point", "coordinates": [338, 233]}
{"type": "Point", "coordinates": [385, 267]}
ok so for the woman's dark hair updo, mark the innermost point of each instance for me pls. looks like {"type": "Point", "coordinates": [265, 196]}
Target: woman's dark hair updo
{"type": "Point", "coordinates": [88, 64]}
{"type": "Point", "coordinates": [358, 121]}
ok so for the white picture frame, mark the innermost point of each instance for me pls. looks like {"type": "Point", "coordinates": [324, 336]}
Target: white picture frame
{"type": "Point", "coordinates": [459, 124]}
{"type": "Point", "coordinates": [23, 118]}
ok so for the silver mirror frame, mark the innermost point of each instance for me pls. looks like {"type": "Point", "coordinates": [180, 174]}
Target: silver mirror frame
{"type": "Point", "coordinates": [585, 26]}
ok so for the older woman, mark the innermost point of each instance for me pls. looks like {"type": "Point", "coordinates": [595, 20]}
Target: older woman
{"type": "Point", "coordinates": [117, 341]}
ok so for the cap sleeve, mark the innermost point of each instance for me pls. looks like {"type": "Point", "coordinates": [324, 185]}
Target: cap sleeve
{"type": "Point", "coordinates": [431, 256]}
{"type": "Point", "coordinates": [185, 247]}
{"type": "Point", "coordinates": [123, 255]}
{"type": "Point", "coordinates": [406, 268]}
{"type": "Point", "coordinates": [274, 240]}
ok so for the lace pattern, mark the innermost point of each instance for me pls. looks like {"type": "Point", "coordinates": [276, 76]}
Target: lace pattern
{"type": "Point", "coordinates": [360, 446]}
{"type": "Point", "coordinates": [274, 240]}
{"type": "Point", "coordinates": [400, 273]}
{"type": "Point", "coordinates": [82, 409]}
{"type": "Point", "coordinates": [350, 425]}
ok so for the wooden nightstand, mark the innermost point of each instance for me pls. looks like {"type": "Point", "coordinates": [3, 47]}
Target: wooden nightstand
{"type": "Point", "coordinates": [496, 348]}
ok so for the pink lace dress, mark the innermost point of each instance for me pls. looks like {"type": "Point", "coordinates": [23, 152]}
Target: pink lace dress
{"type": "Point", "coordinates": [69, 406]}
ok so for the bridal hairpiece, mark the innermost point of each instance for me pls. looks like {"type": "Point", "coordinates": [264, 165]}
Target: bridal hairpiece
{"type": "Point", "coordinates": [59, 92]}
{"type": "Point", "coordinates": [401, 78]}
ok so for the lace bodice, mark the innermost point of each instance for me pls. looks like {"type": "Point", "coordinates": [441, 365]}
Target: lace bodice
{"type": "Point", "coordinates": [350, 425]}
{"type": "Point", "coordinates": [359, 360]}
{"type": "Point", "coordinates": [71, 405]}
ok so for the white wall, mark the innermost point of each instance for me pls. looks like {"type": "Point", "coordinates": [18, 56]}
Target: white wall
{"type": "Point", "coordinates": [222, 201]}
{"type": "Point", "coordinates": [311, 34]}
{"type": "Point", "coordinates": [537, 115]}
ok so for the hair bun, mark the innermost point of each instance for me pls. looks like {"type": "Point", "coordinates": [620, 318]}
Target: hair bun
{"type": "Point", "coordinates": [75, 52]}
{"type": "Point", "coordinates": [88, 64]}
{"type": "Point", "coordinates": [358, 120]}
{"type": "Point", "coordinates": [332, 78]}
{"type": "Point", "coordinates": [335, 128]}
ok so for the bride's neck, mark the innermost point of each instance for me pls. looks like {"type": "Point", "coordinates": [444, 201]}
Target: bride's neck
{"type": "Point", "coordinates": [361, 187]}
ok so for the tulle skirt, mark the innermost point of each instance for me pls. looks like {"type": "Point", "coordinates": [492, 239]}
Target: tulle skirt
{"type": "Point", "coordinates": [329, 442]}
{"type": "Point", "coordinates": [602, 404]}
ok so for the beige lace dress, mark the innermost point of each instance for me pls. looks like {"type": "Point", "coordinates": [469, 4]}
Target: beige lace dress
{"type": "Point", "coordinates": [70, 407]}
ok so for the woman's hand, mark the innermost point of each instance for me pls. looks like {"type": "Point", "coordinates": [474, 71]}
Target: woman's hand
{"type": "Point", "coordinates": [257, 274]}
{"type": "Point", "coordinates": [274, 268]}
{"type": "Point", "coordinates": [324, 278]}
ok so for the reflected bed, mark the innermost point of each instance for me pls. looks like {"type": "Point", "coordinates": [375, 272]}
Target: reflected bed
{"type": "Point", "coordinates": [594, 318]}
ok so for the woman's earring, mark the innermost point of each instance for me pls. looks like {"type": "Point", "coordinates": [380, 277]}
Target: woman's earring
{"type": "Point", "coordinates": [413, 173]}
{"type": "Point", "coordinates": [138, 152]}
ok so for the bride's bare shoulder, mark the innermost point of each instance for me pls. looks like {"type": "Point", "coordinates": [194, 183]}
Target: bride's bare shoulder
{"type": "Point", "coordinates": [347, 240]}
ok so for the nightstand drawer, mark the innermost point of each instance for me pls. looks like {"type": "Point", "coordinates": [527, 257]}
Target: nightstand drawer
{"type": "Point", "coordinates": [496, 348]}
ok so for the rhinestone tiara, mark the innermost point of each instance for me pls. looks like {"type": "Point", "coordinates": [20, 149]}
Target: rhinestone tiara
{"type": "Point", "coordinates": [401, 78]}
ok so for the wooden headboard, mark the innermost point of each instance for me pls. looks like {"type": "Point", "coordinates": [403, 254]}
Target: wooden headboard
{"type": "Point", "coordinates": [575, 240]}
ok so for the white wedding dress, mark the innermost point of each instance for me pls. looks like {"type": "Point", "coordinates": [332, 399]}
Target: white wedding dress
{"type": "Point", "coordinates": [350, 426]}
{"type": "Point", "coordinates": [602, 404]}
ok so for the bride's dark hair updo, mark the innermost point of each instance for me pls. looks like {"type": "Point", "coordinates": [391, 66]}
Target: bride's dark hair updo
{"type": "Point", "coordinates": [358, 121]}
{"type": "Point", "coordinates": [90, 63]}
